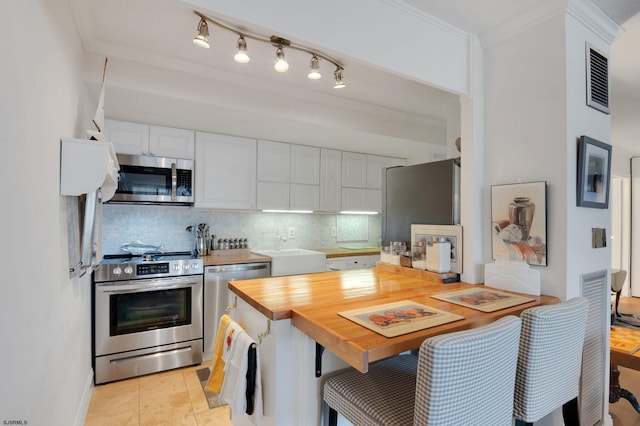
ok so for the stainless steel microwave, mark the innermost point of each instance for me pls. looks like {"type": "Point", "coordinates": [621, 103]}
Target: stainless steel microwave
{"type": "Point", "coordinates": [154, 180]}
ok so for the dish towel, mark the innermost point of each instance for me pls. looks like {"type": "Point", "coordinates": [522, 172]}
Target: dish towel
{"type": "Point", "coordinates": [242, 385]}
{"type": "Point", "coordinates": [214, 384]}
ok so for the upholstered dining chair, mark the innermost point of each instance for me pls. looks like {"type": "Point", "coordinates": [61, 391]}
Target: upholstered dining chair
{"type": "Point", "coordinates": [459, 378]}
{"type": "Point", "coordinates": [550, 361]}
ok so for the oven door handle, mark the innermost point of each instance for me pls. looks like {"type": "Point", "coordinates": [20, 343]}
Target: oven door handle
{"type": "Point", "coordinates": [137, 288]}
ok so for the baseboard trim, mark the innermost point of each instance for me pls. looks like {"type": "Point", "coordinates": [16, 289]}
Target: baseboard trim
{"type": "Point", "coordinates": [83, 408]}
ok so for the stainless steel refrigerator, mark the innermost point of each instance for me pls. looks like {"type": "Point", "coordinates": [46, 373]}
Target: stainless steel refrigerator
{"type": "Point", "coordinates": [426, 194]}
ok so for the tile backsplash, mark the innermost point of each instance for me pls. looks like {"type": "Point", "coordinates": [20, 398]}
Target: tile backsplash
{"type": "Point", "coordinates": [166, 225]}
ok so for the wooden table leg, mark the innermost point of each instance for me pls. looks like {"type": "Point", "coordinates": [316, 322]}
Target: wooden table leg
{"type": "Point", "coordinates": [616, 392]}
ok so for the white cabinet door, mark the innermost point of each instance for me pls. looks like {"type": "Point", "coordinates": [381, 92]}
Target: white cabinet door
{"type": "Point", "coordinates": [330, 180]}
{"type": "Point", "coordinates": [375, 166]}
{"type": "Point", "coordinates": [374, 200]}
{"type": "Point", "coordinates": [128, 138]}
{"type": "Point", "coordinates": [358, 262]}
{"type": "Point", "coordinates": [171, 142]}
{"type": "Point", "coordinates": [354, 170]}
{"type": "Point", "coordinates": [273, 196]}
{"type": "Point", "coordinates": [274, 159]}
{"type": "Point", "coordinates": [305, 165]}
{"type": "Point", "coordinates": [354, 199]}
{"type": "Point", "coordinates": [304, 197]}
{"type": "Point", "coordinates": [225, 172]}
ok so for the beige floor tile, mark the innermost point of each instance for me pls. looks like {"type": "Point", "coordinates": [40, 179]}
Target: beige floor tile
{"type": "Point", "coordinates": [165, 408]}
{"type": "Point", "coordinates": [162, 383]}
{"type": "Point", "coordinates": [114, 395]}
{"type": "Point", "coordinates": [126, 415]}
{"type": "Point", "coordinates": [215, 417]}
{"type": "Point", "coordinates": [189, 420]}
{"type": "Point", "coordinates": [191, 378]}
{"type": "Point", "coordinates": [198, 400]}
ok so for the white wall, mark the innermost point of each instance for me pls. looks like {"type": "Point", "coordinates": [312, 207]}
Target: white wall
{"type": "Point", "coordinates": [45, 317]}
{"type": "Point", "coordinates": [525, 134]}
{"type": "Point", "coordinates": [535, 112]}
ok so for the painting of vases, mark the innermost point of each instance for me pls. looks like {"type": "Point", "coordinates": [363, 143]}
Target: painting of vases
{"type": "Point", "coordinates": [519, 222]}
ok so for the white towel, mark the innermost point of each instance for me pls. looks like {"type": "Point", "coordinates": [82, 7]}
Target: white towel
{"type": "Point", "coordinates": [234, 387]}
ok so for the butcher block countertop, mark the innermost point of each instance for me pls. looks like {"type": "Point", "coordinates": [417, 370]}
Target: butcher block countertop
{"type": "Point", "coordinates": [234, 256]}
{"type": "Point", "coordinates": [313, 301]}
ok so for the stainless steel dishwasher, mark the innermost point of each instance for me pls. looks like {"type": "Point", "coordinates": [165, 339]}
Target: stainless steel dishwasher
{"type": "Point", "coordinates": [217, 295]}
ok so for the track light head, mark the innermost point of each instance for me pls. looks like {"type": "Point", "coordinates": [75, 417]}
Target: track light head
{"type": "Point", "coordinates": [281, 63]}
{"type": "Point", "coordinates": [203, 33]}
{"type": "Point", "coordinates": [241, 51]}
{"type": "Point", "coordinates": [314, 74]}
{"type": "Point", "coordinates": [337, 75]}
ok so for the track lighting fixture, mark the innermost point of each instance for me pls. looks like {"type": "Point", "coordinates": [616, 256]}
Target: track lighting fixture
{"type": "Point", "coordinates": [314, 74]}
{"type": "Point", "coordinates": [281, 65]}
{"type": "Point", "coordinates": [241, 55]}
{"type": "Point", "coordinates": [337, 75]}
{"type": "Point", "coordinates": [203, 33]}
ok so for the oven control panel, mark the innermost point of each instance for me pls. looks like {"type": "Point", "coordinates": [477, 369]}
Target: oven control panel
{"type": "Point", "coordinates": [148, 269]}
{"type": "Point", "coordinates": [152, 268]}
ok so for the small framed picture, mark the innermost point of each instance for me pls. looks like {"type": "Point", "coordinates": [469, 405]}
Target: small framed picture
{"type": "Point", "coordinates": [594, 173]}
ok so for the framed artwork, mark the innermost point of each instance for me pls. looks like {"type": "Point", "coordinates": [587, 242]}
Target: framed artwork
{"type": "Point", "coordinates": [453, 233]}
{"type": "Point", "coordinates": [519, 222]}
{"type": "Point", "coordinates": [594, 173]}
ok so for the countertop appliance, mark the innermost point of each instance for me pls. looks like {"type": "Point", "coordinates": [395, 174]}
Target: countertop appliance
{"type": "Point", "coordinates": [147, 314]}
{"type": "Point", "coordinates": [217, 295]}
{"type": "Point", "coordinates": [154, 180]}
{"type": "Point", "coordinates": [427, 193]}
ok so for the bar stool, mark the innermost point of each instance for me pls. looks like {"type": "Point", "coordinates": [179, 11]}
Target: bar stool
{"type": "Point", "coordinates": [460, 378]}
{"type": "Point", "coordinates": [550, 361]}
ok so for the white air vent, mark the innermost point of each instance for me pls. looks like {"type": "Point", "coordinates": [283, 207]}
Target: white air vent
{"type": "Point", "coordinates": [595, 288]}
{"type": "Point", "coordinates": [597, 79]}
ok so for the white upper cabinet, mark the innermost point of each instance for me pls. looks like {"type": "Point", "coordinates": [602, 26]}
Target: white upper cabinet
{"type": "Point", "coordinates": [144, 139]}
{"type": "Point", "coordinates": [330, 180]}
{"type": "Point", "coordinates": [305, 165]}
{"type": "Point", "coordinates": [354, 170]}
{"type": "Point", "coordinates": [128, 138]}
{"type": "Point", "coordinates": [304, 197]}
{"type": "Point", "coordinates": [225, 172]}
{"type": "Point", "coordinates": [274, 160]}
{"type": "Point", "coordinates": [375, 166]}
{"type": "Point", "coordinates": [288, 176]}
{"type": "Point", "coordinates": [365, 171]}
{"type": "Point", "coordinates": [171, 142]}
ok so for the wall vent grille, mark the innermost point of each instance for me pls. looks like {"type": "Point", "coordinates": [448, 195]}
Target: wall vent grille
{"type": "Point", "coordinates": [591, 401]}
{"type": "Point", "coordinates": [597, 79]}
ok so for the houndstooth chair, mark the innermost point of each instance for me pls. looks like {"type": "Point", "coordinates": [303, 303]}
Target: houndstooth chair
{"type": "Point", "coordinates": [461, 378]}
{"type": "Point", "coordinates": [550, 361]}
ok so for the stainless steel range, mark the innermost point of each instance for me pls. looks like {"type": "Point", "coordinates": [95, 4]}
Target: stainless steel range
{"type": "Point", "coordinates": [147, 314]}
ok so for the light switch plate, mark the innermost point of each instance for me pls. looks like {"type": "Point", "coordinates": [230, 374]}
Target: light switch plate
{"type": "Point", "coordinates": [598, 237]}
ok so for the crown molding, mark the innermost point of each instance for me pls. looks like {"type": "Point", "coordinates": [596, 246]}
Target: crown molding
{"type": "Point", "coordinates": [430, 19]}
{"type": "Point", "coordinates": [595, 19]}
{"type": "Point", "coordinates": [521, 23]}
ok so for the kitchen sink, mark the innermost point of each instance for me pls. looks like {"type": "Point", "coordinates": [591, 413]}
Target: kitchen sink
{"type": "Point", "coordinates": [295, 261]}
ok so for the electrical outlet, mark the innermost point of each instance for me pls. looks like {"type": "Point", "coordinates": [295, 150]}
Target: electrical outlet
{"type": "Point", "coordinates": [292, 232]}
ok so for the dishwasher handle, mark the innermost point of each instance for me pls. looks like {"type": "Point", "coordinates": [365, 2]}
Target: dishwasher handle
{"type": "Point", "coordinates": [238, 267]}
